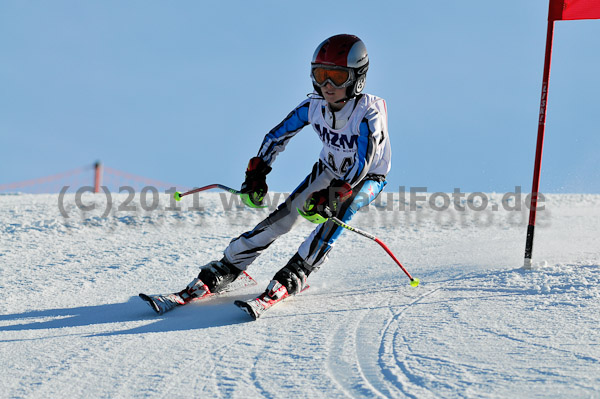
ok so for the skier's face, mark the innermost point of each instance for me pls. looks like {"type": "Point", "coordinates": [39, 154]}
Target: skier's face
{"type": "Point", "coordinates": [332, 95]}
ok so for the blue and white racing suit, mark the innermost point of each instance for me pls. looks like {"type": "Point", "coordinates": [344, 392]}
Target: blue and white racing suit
{"type": "Point", "coordinates": [356, 149]}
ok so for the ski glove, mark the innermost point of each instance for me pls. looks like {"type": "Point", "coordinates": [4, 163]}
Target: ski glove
{"type": "Point", "coordinates": [323, 204]}
{"type": "Point", "coordinates": [255, 186]}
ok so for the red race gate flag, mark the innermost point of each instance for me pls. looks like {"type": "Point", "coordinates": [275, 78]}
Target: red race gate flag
{"type": "Point", "coordinates": [559, 10]}
{"type": "Point", "coordinates": [574, 9]}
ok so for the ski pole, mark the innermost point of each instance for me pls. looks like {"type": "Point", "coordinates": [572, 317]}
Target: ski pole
{"type": "Point", "coordinates": [413, 281]}
{"type": "Point", "coordinates": [178, 195]}
{"type": "Point", "coordinates": [245, 197]}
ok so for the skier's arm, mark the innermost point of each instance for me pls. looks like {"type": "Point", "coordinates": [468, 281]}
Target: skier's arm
{"type": "Point", "coordinates": [255, 186]}
{"type": "Point", "coordinates": [276, 140]}
{"type": "Point", "coordinates": [371, 134]}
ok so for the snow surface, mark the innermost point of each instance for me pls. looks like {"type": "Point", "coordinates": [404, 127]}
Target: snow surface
{"type": "Point", "coordinates": [478, 326]}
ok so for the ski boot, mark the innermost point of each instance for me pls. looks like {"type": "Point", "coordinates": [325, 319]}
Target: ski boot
{"type": "Point", "coordinates": [213, 278]}
{"type": "Point", "coordinates": [288, 281]}
{"type": "Point", "coordinates": [216, 276]}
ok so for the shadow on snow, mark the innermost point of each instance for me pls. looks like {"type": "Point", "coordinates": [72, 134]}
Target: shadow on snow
{"type": "Point", "coordinates": [213, 313]}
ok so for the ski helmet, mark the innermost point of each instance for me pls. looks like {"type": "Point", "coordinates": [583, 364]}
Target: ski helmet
{"type": "Point", "coordinates": [346, 54]}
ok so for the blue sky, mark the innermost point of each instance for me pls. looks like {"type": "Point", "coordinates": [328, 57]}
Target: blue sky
{"type": "Point", "coordinates": [184, 91]}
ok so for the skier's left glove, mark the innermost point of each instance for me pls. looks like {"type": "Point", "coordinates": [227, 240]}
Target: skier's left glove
{"type": "Point", "coordinates": [323, 204]}
{"type": "Point", "coordinates": [255, 186]}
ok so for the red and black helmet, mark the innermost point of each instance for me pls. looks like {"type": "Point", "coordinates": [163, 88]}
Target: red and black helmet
{"type": "Point", "coordinates": [346, 54]}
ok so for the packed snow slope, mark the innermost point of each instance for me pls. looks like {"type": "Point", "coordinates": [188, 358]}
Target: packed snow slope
{"type": "Point", "coordinates": [478, 326]}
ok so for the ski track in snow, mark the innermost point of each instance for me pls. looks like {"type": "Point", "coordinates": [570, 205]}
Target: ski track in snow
{"type": "Point", "coordinates": [478, 326]}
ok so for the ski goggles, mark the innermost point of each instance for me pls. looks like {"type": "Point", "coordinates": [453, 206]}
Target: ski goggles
{"type": "Point", "coordinates": [338, 76]}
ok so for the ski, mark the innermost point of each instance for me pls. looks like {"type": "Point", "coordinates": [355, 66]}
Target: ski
{"type": "Point", "coordinates": [163, 303]}
{"type": "Point", "coordinates": [274, 294]}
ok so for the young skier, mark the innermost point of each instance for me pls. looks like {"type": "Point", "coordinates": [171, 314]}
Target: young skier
{"type": "Point", "coordinates": [348, 175]}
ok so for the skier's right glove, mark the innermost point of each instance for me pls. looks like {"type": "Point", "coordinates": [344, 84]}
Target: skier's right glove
{"type": "Point", "coordinates": [255, 186]}
{"type": "Point", "coordinates": [323, 204]}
